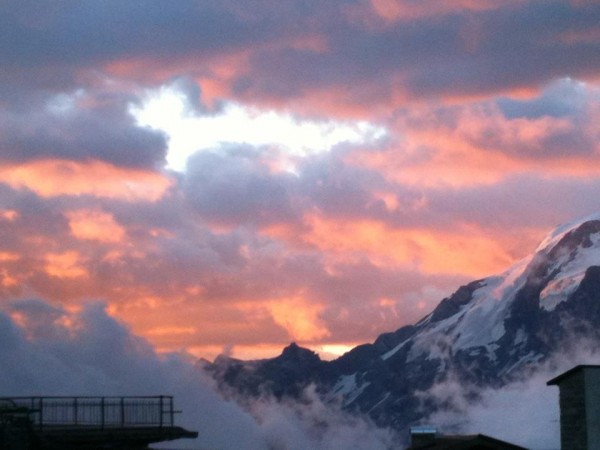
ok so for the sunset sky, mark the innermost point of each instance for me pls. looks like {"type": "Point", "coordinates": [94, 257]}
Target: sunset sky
{"type": "Point", "coordinates": [229, 176]}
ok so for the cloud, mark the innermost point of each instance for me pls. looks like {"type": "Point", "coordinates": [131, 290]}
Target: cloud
{"type": "Point", "coordinates": [113, 30]}
{"type": "Point", "coordinates": [306, 49]}
{"type": "Point", "coordinates": [79, 126]}
{"type": "Point", "coordinates": [161, 266]}
{"type": "Point", "coordinates": [454, 54]}
{"type": "Point", "coordinates": [94, 225]}
{"type": "Point", "coordinates": [234, 186]}
{"type": "Point", "coordinates": [484, 141]}
{"type": "Point", "coordinates": [525, 411]}
{"type": "Point", "coordinates": [403, 10]}
{"type": "Point", "coordinates": [309, 423]}
{"type": "Point", "coordinates": [490, 111]}
{"type": "Point", "coordinates": [191, 127]}
{"type": "Point", "coordinates": [229, 245]}
{"type": "Point", "coordinates": [90, 353]}
{"type": "Point", "coordinates": [56, 178]}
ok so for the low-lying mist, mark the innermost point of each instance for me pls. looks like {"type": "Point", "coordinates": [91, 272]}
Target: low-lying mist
{"type": "Point", "coordinates": [524, 412]}
{"type": "Point", "coordinates": [48, 351]}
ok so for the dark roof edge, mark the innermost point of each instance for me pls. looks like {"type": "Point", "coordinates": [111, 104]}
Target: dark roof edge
{"type": "Point", "coordinates": [554, 381]}
{"type": "Point", "coordinates": [498, 441]}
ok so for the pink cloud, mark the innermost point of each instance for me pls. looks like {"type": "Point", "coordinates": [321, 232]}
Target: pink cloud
{"type": "Point", "coordinates": [52, 178]}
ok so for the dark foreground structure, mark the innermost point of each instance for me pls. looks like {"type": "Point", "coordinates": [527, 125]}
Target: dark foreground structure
{"type": "Point", "coordinates": [579, 397]}
{"type": "Point", "coordinates": [427, 438]}
{"type": "Point", "coordinates": [53, 423]}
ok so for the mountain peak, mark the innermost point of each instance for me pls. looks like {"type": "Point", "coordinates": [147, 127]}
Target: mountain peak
{"type": "Point", "coordinates": [297, 353]}
{"type": "Point", "coordinates": [556, 235]}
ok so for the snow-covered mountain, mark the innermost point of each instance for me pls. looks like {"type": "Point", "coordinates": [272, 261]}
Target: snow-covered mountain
{"type": "Point", "coordinates": [489, 332]}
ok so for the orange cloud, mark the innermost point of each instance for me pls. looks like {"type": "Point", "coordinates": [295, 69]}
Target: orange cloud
{"type": "Point", "coordinates": [7, 280]}
{"type": "Point", "coordinates": [571, 37]}
{"type": "Point", "coordinates": [65, 265]}
{"type": "Point", "coordinates": [467, 251]}
{"type": "Point", "coordinates": [299, 317]}
{"type": "Point", "coordinates": [51, 178]}
{"type": "Point", "coordinates": [9, 215]}
{"type": "Point", "coordinates": [475, 145]}
{"type": "Point", "coordinates": [170, 331]}
{"type": "Point", "coordinates": [95, 225]}
{"type": "Point", "coordinates": [8, 256]}
{"type": "Point", "coordinates": [443, 163]}
{"type": "Point", "coordinates": [242, 327]}
{"type": "Point", "coordinates": [393, 10]}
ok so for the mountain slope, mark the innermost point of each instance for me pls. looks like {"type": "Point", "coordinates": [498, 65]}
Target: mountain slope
{"type": "Point", "coordinates": [487, 333]}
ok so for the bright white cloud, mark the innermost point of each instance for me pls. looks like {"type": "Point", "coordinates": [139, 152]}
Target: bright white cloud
{"type": "Point", "coordinates": [168, 110]}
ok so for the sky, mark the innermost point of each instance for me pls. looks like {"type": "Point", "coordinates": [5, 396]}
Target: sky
{"type": "Point", "coordinates": [230, 176]}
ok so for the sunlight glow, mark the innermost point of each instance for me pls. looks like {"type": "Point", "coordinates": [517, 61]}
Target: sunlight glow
{"type": "Point", "coordinates": [332, 351]}
{"type": "Point", "coordinates": [168, 111]}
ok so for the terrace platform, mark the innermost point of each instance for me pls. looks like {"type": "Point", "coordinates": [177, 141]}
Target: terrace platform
{"type": "Point", "coordinates": [87, 422]}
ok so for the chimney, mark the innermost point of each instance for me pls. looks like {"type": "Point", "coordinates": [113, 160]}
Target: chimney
{"type": "Point", "coordinates": [422, 436]}
{"type": "Point", "coordinates": [579, 397]}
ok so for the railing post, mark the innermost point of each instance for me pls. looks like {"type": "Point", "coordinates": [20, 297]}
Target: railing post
{"type": "Point", "coordinates": [32, 407]}
{"type": "Point", "coordinates": [126, 411]}
{"type": "Point", "coordinates": [161, 412]}
{"type": "Point", "coordinates": [122, 412]}
{"type": "Point", "coordinates": [75, 410]}
{"type": "Point", "coordinates": [102, 412]}
{"type": "Point", "coordinates": [41, 404]}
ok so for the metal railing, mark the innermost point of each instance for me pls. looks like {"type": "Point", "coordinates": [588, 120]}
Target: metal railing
{"type": "Point", "coordinates": [102, 412]}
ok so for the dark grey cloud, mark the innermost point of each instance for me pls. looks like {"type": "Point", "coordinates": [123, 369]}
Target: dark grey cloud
{"type": "Point", "coordinates": [80, 33]}
{"type": "Point", "coordinates": [515, 46]}
{"type": "Point", "coordinates": [459, 52]}
{"type": "Point", "coordinates": [338, 189]}
{"type": "Point", "coordinates": [80, 126]}
{"type": "Point", "coordinates": [234, 186]}
{"type": "Point", "coordinates": [47, 49]}
{"type": "Point", "coordinates": [564, 98]}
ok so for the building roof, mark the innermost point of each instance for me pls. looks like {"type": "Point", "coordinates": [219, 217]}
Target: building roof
{"type": "Point", "coordinates": [556, 380]}
{"type": "Point", "coordinates": [466, 442]}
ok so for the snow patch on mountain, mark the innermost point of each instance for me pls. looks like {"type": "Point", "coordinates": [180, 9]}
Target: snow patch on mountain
{"type": "Point", "coordinates": [557, 291]}
{"type": "Point", "coordinates": [559, 232]}
{"type": "Point", "coordinates": [478, 324]}
{"type": "Point", "coordinates": [483, 323]}
{"type": "Point", "coordinates": [348, 389]}
{"type": "Point", "coordinates": [572, 271]}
